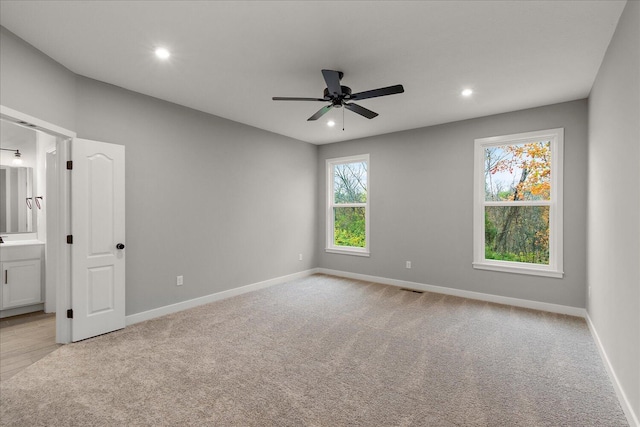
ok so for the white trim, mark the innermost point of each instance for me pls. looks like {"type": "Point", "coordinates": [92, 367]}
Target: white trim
{"type": "Point", "coordinates": [348, 159]}
{"type": "Point", "coordinates": [519, 203]}
{"type": "Point", "coordinates": [350, 205]}
{"type": "Point", "coordinates": [521, 138]}
{"type": "Point", "coordinates": [51, 235]}
{"type": "Point", "coordinates": [13, 115]}
{"type": "Point", "coordinates": [195, 302]}
{"type": "Point", "coordinates": [516, 302]}
{"type": "Point", "coordinates": [632, 418]}
{"type": "Point", "coordinates": [555, 266]}
{"type": "Point", "coordinates": [346, 250]}
{"type": "Point", "coordinates": [518, 268]}
{"type": "Point", "coordinates": [63, 283]}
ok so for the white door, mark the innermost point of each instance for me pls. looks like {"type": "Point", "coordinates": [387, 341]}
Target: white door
{"type": "Point", "coordinates": [97, 250]}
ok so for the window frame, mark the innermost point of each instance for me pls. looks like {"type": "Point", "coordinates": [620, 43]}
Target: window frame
{"type": "Point", "coordinates": [330, 245]}
{"type": "Point", "coordinates": [555, 203]}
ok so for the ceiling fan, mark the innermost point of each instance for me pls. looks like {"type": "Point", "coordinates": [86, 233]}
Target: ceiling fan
{"type": "Point", "coordinates": [340, 96]}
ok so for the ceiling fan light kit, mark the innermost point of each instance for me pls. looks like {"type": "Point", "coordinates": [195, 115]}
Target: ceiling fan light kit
{"type": "Point", "coordinates": [341, 96]}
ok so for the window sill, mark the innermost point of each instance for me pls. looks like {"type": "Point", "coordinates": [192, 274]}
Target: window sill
{"type": "Point", "coordinates": [347, 252]}
{"type": "Point", "coordinates": [519, 269]}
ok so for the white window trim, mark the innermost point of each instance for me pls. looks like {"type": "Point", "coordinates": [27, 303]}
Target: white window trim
{"type": "Point", "coordinates": [346, 250]}
{"type": "Point", "coordinates": [555, 267]}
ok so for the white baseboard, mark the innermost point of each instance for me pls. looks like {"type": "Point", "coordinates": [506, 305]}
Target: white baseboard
{"type": "Point", "coordinates": [173, 308]}
{"type": "Point", "coordinates": [632, 418]}
{"type": "Point", "coordinates": [517, 302]}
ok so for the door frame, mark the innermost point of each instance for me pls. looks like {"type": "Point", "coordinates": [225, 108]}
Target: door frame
{"type": "Point", "coordinates": [63, 153]}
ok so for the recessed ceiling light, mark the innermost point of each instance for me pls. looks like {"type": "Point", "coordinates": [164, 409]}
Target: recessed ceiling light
{"type": "Point", "coordinates": [331, 123]}
{"type": "Point", "coordinates": [162, 53]}
{"type": "Point", "coordinates": [466, 92]}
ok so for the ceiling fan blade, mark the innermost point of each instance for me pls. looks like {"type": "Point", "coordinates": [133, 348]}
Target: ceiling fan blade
{"type": "Point", "coordinates": [320, 113]}
{"type": "Point", "coordinates": [332, 78]}
{"type": "Point", "coordinates": [285, 98]}
{"type": "Point", "coordinates": [361, 110]}
{"type": "Point", "coordinates": [390, 90]}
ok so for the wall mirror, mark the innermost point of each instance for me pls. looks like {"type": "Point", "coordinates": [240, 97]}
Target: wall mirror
{"type": "Point", "coordinates": [17, 203]}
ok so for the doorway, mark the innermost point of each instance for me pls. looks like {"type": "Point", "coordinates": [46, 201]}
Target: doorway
{"type": "Point", "coordinates": [86, 261]}
{"type": "Point", "coordinates": [46, 258]}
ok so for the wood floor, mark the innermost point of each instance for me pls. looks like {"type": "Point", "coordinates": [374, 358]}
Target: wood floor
{"type": "Point", "coordinates": [24, 340]}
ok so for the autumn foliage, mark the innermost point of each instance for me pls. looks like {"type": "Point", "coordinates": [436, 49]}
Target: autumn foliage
{"type": "Point", "coordinates": [518, 173]}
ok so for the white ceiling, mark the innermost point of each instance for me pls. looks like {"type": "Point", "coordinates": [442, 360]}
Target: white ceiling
{"type": "Point", "coordinates": [230, 58]}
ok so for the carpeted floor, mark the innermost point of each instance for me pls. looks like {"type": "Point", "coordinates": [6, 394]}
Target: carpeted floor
{"type": "Point", "coordinates": [325, 351]}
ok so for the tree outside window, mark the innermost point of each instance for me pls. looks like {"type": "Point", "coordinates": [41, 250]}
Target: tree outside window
{"type": "Point", "coordinates": [348, 203]}
{"type": "Point", "coordinates": [517, 217]}
{"type": "Point", "coordinates": [513, 173]}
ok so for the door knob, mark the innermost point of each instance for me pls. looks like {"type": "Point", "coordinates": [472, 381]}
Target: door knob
{"type": "Point", "coordinates": [120, 246]}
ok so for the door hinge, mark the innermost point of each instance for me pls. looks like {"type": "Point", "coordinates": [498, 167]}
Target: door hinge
{"type": "Point", "coordinates": [70, 314]}
{"type": "Point", "coordinates": [70, 239]}
{"type": "Point", "coordinates": [69, 164]}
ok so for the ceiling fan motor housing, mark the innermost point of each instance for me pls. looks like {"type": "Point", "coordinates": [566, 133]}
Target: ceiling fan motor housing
{"type": "Point", "coordinates": [337, 100]}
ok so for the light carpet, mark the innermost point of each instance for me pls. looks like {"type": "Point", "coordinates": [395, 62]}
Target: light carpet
{"type": "Point", "coordinates": [325, 351]}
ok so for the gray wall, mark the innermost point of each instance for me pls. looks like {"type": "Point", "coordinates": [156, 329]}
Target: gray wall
{"type": "Point", "coordinates": [614, 204]}
{"type": "Point", "coordinates": [34, 84]}
{"type": "Point", "coordinates": [221, 203]}
{"type": "Point", "coordinates": [421, 192]}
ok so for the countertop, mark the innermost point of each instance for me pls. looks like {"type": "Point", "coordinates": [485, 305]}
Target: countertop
{"type": "Point", "coordinates": [20, 243]}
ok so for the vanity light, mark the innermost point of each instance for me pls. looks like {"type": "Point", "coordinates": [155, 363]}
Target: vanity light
{"type": "Point", "coordinates": [331, 123]}
{"type": "Point", "coordinates": [17, 160]}
{"type": "Point", "coordinates": [162, 53]}
{"type": "Point", "coordinates": [466, 92]}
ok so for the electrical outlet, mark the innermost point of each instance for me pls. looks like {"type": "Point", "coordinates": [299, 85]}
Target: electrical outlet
{"type": "Point", "coordinates": [179, 281]}
{"type": "Point", "coordinates": [299, 257]}
{"type": "Point", "coordinates": [408, 265]}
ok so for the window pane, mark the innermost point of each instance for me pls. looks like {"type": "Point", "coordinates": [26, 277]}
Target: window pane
{"type": "Point", "coordinates": [517, 233]}
{"type": "Point", "coordinates": [350, 182]}
{"type": "Point", "coordinates": [349, 227]}
{"type": "Point", "coordinates": [518, 171]}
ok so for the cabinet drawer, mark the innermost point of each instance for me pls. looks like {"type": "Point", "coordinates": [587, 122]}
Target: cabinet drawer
{"type": "Point", "coordinates": [20, 252]}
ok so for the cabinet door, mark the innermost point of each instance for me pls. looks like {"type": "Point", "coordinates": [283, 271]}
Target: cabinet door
{"type": "Point", "coordinates": [21, 284]}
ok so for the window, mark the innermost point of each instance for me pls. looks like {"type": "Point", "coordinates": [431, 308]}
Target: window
{"type": "Point", "coordinates": [348, 205]}
{"type": "Point", "coordinates": [518, 203]}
